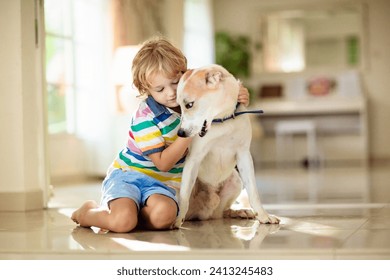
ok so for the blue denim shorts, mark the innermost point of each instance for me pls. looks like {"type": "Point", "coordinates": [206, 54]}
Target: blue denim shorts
{"type": "Point", "coordinates": [134, 185]}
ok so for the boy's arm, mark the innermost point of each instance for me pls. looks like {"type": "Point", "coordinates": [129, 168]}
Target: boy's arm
{"type": "Point", "coordinates": [167, 158]}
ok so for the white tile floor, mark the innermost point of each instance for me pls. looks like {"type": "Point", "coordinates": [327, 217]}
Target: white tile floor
{"type": "Point", "coordinates": [333, 213]}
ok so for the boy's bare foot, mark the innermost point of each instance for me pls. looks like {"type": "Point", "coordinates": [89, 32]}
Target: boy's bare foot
{"type": "Point", "coordinates": [79, 215]}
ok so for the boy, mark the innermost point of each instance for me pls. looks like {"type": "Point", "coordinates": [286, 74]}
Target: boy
{"type": "Point", "coordinates": [140, 184]}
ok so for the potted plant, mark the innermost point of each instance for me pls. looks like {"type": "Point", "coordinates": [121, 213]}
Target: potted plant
{"type": "Point", "coordinates": [233, 53]}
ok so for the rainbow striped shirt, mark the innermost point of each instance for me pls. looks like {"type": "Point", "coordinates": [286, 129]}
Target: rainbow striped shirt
{"type": "Point", "coordinates": [153, 128]}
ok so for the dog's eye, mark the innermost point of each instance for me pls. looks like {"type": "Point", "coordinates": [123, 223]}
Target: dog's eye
{"type": "Point", "coordinates": [189, 105]}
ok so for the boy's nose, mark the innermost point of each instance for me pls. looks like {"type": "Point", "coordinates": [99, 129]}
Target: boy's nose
{"type": "Point", "coordinates": [171, 93]}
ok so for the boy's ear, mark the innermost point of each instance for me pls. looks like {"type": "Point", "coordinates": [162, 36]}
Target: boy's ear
{"type": "Point", "coordinates": [213, 77]}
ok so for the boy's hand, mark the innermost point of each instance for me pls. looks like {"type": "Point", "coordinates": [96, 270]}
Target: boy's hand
{"type": "Point", "coordinates": [243, 95]}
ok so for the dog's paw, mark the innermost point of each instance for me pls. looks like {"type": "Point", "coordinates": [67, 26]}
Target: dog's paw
{"type": "Point", "coordinates": [239, 214]}
{"type": "Point", "coordinates": [179, 221]}
{"type": "Point", "coordinates": [268, 219]}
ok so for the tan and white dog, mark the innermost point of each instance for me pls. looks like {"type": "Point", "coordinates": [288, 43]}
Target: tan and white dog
{"type": "Point", "coordinates": [211, 184]}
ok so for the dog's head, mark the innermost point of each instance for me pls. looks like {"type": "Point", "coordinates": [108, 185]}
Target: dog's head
{"type": "Point", "coordinates": [205, 94]}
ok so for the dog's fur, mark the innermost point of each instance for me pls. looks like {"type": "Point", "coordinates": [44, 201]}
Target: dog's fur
{"type": "Point", "coordinates": [211, 183]}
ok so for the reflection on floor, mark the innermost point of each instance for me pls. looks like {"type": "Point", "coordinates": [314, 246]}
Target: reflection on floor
{"type": "Point", "coordinates": [340, 213]}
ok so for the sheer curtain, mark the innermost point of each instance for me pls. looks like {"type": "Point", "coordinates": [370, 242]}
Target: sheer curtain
{"type": "Point", "coordinates": [134, 21]}
{"type": "Point", "coordinates": [198, 33]}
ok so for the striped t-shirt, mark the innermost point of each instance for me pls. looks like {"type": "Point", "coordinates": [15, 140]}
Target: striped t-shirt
{"type": "Point", "coordinates": [153, 128]}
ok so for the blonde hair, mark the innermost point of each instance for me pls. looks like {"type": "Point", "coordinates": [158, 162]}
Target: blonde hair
{"type": "Point", "coordinates": [156, 55]}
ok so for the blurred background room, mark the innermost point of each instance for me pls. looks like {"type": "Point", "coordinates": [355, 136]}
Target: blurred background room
{"type": "Point", "coordinates": [319, 69]}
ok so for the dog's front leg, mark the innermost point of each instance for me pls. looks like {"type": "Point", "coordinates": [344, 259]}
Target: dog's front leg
{"type": "Point", "coordinates": [190, 174]}
{"type": "Point", "coordinates": [247, 173]}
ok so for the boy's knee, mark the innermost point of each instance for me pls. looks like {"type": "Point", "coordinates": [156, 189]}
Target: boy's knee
{"type": "Point", "coordinates": [163, 218]}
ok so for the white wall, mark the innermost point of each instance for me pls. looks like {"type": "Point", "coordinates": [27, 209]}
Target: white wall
{"type": "Point", "coordinates": [22, 149]}
{"type": "Point", "coordinates": [11, 109]}
{"type": "Point", "coordinates": [377, 77]}
{"type": "Point", "coordinates": [239, 17]}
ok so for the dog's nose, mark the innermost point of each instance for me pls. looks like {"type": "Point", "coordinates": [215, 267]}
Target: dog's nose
{"type": "Point", "coordinates": [181, 133]}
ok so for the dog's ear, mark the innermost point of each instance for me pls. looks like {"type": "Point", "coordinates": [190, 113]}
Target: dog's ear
{"type": "Point", "coordinates": [187, 74]}
{"type": "Point", "coordinates": [213, 78]}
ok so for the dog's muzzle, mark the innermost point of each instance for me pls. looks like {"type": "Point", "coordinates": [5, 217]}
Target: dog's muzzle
{"type": "Point", "coordinates": [183, 133]}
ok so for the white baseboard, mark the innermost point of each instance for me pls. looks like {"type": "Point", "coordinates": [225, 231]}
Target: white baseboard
{"type": "Point", "coordinates": [21, 201]}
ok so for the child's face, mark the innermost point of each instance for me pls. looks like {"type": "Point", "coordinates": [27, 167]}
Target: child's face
{"type": "Point", "coordinates": [163, 89]}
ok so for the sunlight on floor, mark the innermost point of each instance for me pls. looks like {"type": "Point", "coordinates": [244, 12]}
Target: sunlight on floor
{"type": "Point", "coordinates": [135, 245]}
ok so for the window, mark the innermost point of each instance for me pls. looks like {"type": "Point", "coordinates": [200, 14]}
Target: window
{"type": "Point", "coordinates": [60, 78]}
{"type": "Point", "coordinates": [78, 49]}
